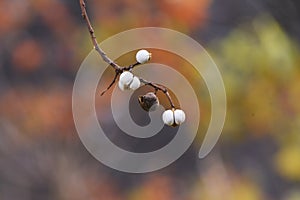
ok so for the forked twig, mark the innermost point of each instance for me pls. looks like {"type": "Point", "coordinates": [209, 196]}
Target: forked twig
{"type": "Point", "coordinates": [118, 69]}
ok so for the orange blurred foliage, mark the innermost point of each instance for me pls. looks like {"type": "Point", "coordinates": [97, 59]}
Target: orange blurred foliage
{"type": "Point", "coordinates": [56, 15]}
{"type": "Point", "coordinates": [28, 55]}
{"type": "Point", "coordinates": [37, 112]}
{"type": "Point", "coordinates": [191, 13]}
{"type": "Point", "coordinates": [155, 187]}
{"type": "Point", "coordinates": [9, 18]}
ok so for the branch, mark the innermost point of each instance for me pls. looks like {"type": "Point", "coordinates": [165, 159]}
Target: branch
{"type": "Point", "coordinates": [118, 69]}
{"type": "Point", "coordinates": [93, 37]}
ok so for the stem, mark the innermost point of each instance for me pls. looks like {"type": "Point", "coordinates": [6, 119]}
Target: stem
{"type": "Point", "coordinates": [93, 37]}
{"type": "Point", "coordinates": [130, 67]}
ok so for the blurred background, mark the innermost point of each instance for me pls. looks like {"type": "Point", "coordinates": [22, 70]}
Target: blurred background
{"type": "Point", "coordinates": [255, 44]}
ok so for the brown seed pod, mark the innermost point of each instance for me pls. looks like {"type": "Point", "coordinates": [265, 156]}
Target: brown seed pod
{"type": "Point", "coordinates": [149, 101]}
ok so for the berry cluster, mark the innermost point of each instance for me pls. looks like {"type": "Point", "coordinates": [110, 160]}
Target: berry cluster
{"type": "Point", "coordinates": [149, 102]}
{"type": "Point", "coordinates": [173, 117]}
{"type": "Point", "coordinates": [127, 81]}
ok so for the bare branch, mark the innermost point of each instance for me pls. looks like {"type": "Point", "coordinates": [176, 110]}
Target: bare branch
{"type": "Point", "coordinates": [93, 37]}
{"type": "Point", "coordinates": [118, 69]}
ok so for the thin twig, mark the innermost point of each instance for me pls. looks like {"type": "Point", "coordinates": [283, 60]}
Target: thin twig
{"type": "Point", "coordinates": [93, 37]}
{"type": "Point", "coordinates": [111, 84]}
{"type": "Point", "coordinates": [130, 67]}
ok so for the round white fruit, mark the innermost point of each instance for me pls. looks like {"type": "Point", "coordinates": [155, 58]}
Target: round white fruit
{"type": "Point", "coordinates": [168, 117]}
{"type": "Point", "coordinates": [179, 116]}
{"type": "Point", "coordinates": [142, 56]}
{"type": "Point", "coordinates": [126, 78]}
{"type": "Point", "coordinates": [122, 86]}
{"type": "Point", "coordinates": [135, 84]}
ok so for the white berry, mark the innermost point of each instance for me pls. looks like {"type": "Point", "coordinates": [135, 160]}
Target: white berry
{"type": "Point", "coordinates": [168, 117]}
{"type": "Point", "coordinates": [126, 78]}
{"type": "Point", "coordinates": [128, 81]}
{"type": "Point", "coordinates": [179, 116]}
{"type": "Point", "coordinates": [135, 84]}
{"type": "Point", "coordinates": [173, 117]}
{"type": "Point", "coordinates": [142, 56]}
{"type": "Point", "coordinates": [122, 86]}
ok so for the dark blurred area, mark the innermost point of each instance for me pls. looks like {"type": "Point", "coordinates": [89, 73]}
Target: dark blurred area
{"type": "Point", "coordinates": [255, 44]}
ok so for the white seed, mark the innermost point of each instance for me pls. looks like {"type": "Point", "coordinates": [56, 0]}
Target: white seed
{"type": "Point", "coordinates": [168, 117]}
{"type": "Point", "coordinates": [135, 84]}
{"type": "Point", "coordinates": [179, 116]}
{"type": "Point", "coordinates": [142, 56]}
{"type": "Point", "coordinates": [126, 78]}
